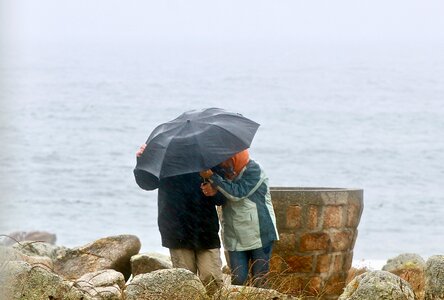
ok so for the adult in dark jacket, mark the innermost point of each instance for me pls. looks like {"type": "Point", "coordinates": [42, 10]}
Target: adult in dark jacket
{"type": "Point", "coordinates": [188, 223]}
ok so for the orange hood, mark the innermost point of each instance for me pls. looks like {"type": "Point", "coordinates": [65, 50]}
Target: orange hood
{"type": "Point", "coordinates": [240, 160]}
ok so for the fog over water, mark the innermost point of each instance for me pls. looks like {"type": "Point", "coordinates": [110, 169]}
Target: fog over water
{"type": "Point", "coordinates": [347, 94]}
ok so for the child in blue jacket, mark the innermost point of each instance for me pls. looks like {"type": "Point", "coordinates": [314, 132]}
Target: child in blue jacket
{"type": "Point", "coordinates": [249, 223]}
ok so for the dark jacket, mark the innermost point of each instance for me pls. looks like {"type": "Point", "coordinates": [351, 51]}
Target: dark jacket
{"type": "Point", "coordinates": [186, 217]}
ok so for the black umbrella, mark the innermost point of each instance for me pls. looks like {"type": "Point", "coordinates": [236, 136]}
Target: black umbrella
{"type": "Point", "coordinates": [194, 141]}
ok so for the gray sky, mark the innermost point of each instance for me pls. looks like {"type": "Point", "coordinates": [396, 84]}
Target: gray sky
{"type": "Point", "coordinates": [370, 20]}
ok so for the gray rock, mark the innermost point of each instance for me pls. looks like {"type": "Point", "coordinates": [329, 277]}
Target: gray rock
{"type": "Point", "coordinates": [107, 253]}
{"type": "Point", "coordinates": [378, 285]}
{"type": "Point", "coordinates": [434, 278]}
{"type": "Point", "coordinates": [411, 268]}
{"type": "Point", "coordinates": [20, 280]}
{"type": "Point", "coordinates": [105, 284]}
{"type": "Point", "coordinates": [234, 292]}
{"type": "Point", "coordinates": [40, 249]}
{"type": "Point", "coordinates": [20, 236]}
{"type": "Point", "coordinates": [148, 262]}
{"type": "Point", "coordinates": [106, 293]}
{"type": "Point", "coordinates": [404, 261]}
{"type": "Point", "coordinates": [103, 278]}
{"type": "Point", "coordinates": [11, 254]}
{"type": "Point", "coordinates": [165, 284]}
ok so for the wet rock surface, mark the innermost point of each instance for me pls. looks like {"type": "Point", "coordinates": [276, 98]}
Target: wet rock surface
{"type": "Point", "coordinates": [378, 285]}
{"type": "Point", "coordinates": [434, 278]}
{"type": "Point", "coordinates": [165, 284]}
{"type": "Point", "coordinates": [411, 268]}
{"type": "Point", "coordinates": [108, 253]}
{"type": "Point", "coordinates": [148, 262]}
{"type": "Point", "coordinates": [20, 280]}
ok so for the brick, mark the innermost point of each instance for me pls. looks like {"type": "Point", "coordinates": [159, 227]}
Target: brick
{"type": "Point", "coordinates": [348, 260]}
{"type": "Point", "coordinates": [313, 217]}
{"type": "Point", "coordinates": [323, 263]}
{"type": "Point", "coordinates": [338, 263]}
{"type": "Point", "coordinates": [315, 241]}
{"type": "Point", "coordinates": [341, 241]}
{"type": "Point", "coordinates": [277, 264]}
{"type": "Point", "coordinates": [354, 212]}
{"type": "Point", "coordinates": [335, 197]}
{"type": "Point", "coordinates": [354, 238]}
{"type": "Point", "coordinates": [314, 286]}
{"type": "Point", "coordinates": [300, 264]}
{"type": "Point", "coordinates": [280, 210]}
{"type": "Point", "coordinates": [286, 245]}
{"type": "Point", "coordinates": [333, 216]}
{"type": "Point", "coordinates": [293, 216]}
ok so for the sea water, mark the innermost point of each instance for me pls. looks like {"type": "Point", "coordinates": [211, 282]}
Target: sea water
{"type": "Point", "coordinates": [343, 115]}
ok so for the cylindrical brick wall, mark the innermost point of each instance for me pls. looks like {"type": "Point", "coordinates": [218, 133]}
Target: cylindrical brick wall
{"type": "Point", "coordinates": [317, 230]}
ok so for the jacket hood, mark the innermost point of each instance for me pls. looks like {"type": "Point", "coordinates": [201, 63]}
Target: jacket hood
{"type": "Point", "coordinates": [240, 160]}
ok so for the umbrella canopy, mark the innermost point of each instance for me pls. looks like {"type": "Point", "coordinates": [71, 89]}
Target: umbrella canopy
{"type": "Point", "coordinates": [195, 141]}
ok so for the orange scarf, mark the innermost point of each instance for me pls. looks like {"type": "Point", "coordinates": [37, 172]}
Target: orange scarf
{"type": "Point", "coordinates": [240, 160]}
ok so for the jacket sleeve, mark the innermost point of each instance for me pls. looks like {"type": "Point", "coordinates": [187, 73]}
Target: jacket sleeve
{"type": "Point", "coordinates": [242, 188]}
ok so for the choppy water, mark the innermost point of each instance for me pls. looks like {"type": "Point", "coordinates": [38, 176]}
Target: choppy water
{"type": "Point", "coordinates": [365, 116]}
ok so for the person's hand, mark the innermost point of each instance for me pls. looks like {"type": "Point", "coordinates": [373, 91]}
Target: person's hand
{"type": "Point", "coordinates": [206, 174]}
{"type": "Point", "coordinates": [141, 149]}
{"type": "Point", "coordinates": [207, 189]}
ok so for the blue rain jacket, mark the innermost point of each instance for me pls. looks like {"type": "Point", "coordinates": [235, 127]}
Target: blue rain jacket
{"type": "Point", "coordinates": [248, 220]}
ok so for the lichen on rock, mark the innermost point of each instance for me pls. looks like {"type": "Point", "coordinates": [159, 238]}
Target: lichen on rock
{"type": "Point", "coordinates": [378, 285]}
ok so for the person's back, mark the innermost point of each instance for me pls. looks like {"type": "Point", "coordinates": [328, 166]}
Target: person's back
{"type": "Point", "coordinates": [187, 219]}
{"type": "Point", "coordinates": [188, 224]}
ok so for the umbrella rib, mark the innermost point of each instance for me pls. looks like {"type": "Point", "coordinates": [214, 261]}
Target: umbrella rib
{"type": "Point", "coordinates": [220, 113]}
{"type": "Point", "coordinates": [166, 146]}
{"type": "Point", "coordinates": [163, 132]}
{"type": "Point", "coordinates": [226, 130]}
{"type": "Point", "coordinates": [230, 133]}
{"type": "Point", "coordinates": [200, 148]}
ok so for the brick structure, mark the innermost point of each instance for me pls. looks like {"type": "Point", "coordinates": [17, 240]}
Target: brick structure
{"type": "Point", "coordinates": [317, 230]}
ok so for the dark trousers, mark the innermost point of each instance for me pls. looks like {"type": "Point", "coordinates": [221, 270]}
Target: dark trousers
{"type": "Point", "coordinates": [256, 260]}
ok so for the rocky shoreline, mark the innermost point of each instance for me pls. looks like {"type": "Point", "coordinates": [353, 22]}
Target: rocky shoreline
{"type": "Point", "coordinates": [112, 268]}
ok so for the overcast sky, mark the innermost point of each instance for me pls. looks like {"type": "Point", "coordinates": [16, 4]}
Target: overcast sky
{"type": "Point", "coordinates": [27, 20]}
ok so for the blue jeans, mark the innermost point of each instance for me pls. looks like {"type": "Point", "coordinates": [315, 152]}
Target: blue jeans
{"type": "Point", "coordinates": [260, 265]}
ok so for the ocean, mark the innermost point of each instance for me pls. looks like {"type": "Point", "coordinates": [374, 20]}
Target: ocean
{"type": "Point", "coordinates": [345, 115]}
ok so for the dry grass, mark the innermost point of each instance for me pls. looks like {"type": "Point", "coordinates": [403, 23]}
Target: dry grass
{"type": "Point", "coordinates": [353, 272]}
{"type": "Point", "coordinates": [275, 285]}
